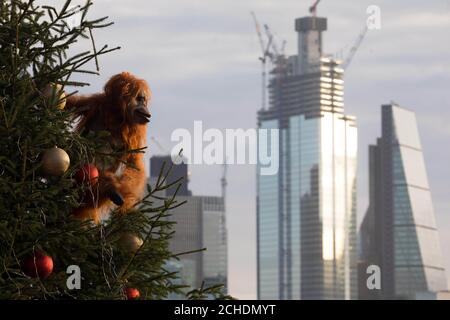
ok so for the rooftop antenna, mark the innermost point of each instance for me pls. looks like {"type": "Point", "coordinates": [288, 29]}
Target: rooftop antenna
{"type": "Point", "coordinates": [224, 183]}
{"type": "Point", "coordinates": [283, 47]}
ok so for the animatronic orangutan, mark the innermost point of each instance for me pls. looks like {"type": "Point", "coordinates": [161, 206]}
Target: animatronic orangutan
{"type": "Point", "coordinates": [122, 110]}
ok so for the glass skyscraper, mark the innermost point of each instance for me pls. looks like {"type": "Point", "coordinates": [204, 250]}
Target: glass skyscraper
{"type": "Point", "coordinates": [306, 213]}
{"type": "Point", "coordinates": [399, 231]}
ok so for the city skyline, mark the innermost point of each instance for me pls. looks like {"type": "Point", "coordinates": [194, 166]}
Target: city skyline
{"type": "Point", "coordinates": [393, 63]}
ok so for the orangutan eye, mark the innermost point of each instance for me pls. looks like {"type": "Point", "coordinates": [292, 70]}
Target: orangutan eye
{"type": "Point", "coordinates": [140, 98]}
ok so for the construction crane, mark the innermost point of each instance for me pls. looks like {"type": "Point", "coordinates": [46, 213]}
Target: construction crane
{"type": "Point", "coordinates": [276, 52]}
{"type": "Point", "coordinates": [355, 48]}
{"type": "Point", "coordinates": [224, 183]}
{"type": "Point", "coordinates": [274, 46]}
{"type": "Point", "coordinates": [265, 49]}
{"type": "Point", "coordinates": [277, 56]}
{"type": "Point", "coordinates": [313, 8]}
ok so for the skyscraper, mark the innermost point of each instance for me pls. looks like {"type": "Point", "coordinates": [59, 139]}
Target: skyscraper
{"type": "Point", "coordinates": [399, 232]}
{"type": "Point", "coordinates": [306, 213]}
{"type": "Point", "coordinates": [200, 223]}
{"type": "Point", "coordinates": [178, 171]}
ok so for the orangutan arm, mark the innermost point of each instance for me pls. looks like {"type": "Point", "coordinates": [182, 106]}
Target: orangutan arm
{"type": "Point", "coordinates": [132, 186]}
{"type": "Point", "coordinates": [83, 105]}
{"type": "Point", "coordinates": [129, 185]}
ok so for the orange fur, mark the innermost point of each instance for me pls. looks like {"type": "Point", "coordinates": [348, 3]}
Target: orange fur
{"type": "Point", "coordinates": [110, 111]}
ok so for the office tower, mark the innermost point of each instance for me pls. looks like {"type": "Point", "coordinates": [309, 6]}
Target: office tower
{"type": "Point", "coordinates": [178, 171]}
{"type": "Point", "coordinates": [200, 223]}
{"type": "Point", "coordinates": [306, 213]}
{"type": "Point", "coordinates": [214, 240]}
{"type": "Point", "coordinates": [399, 231]}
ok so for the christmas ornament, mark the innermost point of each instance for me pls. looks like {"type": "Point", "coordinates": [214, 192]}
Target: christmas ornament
{"type": "Point", "coordinates": [87, 174]}
{"type": "Point", "coordinates": [55, 161]}
{"type": "Point", "coordinates": [55, 95]}
{"type": "Point", "coordinates": [130, 242]}
{"type": "Point", "coordinates": [40, 265]}
{"type": "Point", "coordinates": [132, 293]}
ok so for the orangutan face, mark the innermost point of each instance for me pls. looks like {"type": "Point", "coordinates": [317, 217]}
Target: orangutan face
{"type": "Point", "coordinates": [138, 108]}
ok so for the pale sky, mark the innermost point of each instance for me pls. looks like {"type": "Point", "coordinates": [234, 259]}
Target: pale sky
{"type": "Point", "coordinates": [201, 61]}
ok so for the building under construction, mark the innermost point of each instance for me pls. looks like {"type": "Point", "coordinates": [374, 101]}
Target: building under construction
{"type": "Point", "coordinates": [306, 214]}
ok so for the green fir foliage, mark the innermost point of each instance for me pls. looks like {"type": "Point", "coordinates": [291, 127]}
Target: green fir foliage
{"type": "Point", "coordinates": [35, 209]}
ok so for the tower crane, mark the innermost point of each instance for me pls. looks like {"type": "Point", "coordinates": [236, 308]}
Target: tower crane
{"type": "Point", "coordinates": [276, 52]}
{"type": "Point", "coordinates": [355, 48]}
{"type": "Point", "coordinates": [276, 56]}
{"type": "Point", "coordinates": [313, 8]}
{"type": "Point", "coordinates": [265, 50]}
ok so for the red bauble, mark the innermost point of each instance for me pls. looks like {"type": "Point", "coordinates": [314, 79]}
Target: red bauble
{"type": "Point", "coordinates": [40, 265]}
{"type": "Point", "coordinates": [87, 174]}
{"type": "Point", "coordinates": [132, 293]}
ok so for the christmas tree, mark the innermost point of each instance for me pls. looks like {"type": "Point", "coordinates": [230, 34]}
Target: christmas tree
{"type": "Point", "coordinates": [46, 252]}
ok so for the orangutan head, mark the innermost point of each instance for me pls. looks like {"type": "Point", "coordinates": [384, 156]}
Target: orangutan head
{"type": "Point", "coordinates": [129, 97]}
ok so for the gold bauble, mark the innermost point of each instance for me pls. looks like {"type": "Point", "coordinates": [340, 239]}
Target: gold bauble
{"type": "Point", "coordinates": [55, 95]}
{"type": "Point", "coordinates": [130, 242]}
{"type": "Point", "coordinates": [55, 162]}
